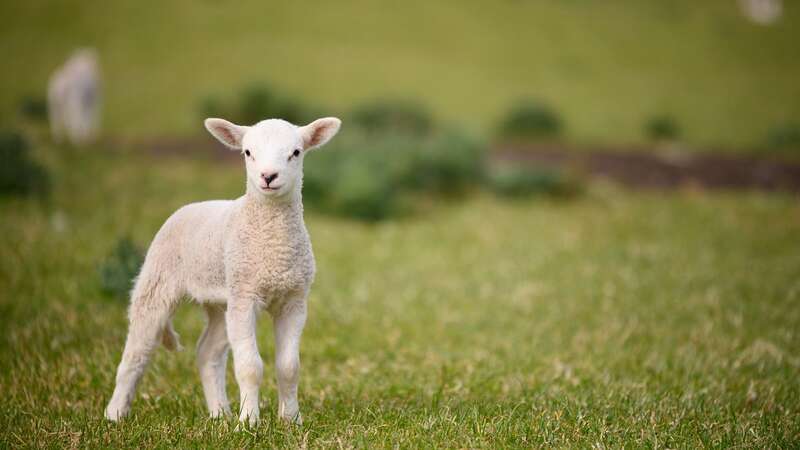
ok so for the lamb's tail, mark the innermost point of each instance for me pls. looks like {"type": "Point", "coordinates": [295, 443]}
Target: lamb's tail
{"type": "Point", "coordinates": [170, 338]}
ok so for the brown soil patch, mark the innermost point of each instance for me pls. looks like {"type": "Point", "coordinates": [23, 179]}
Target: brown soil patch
{"type": "Point", "coordinates": [663, 169]}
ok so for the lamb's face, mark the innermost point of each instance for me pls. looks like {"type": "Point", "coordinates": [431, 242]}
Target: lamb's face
{"type": "Point", "coordinates": [273, 150]}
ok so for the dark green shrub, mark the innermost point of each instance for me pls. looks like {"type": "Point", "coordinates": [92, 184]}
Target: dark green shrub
{"type": "Point", "coordinates": [662, 128]}
{"type": "Point", "coordinates": [446, 163]}
{"type": "Point", "coordinates": [120, 267]}
{"type": "Point", "coordinates": [254, 104]}
{"type": "Point", "coordinates": [393, 116]}
{"type": "Point", "coordinates": [19, 174]}
{"type": "Point", "coordinates": [530, 120]}
{"type": "Point", "coordinates": [348, 178]}
{"type": "Point", "coordinates": [516, 181]}
{"type": "Point", "coordinates": [33, 107]}
{"type": "Point", "coordinates": [367, 178]}
{"type": "Point", "coordinates": [785, 137]}
{"type": "Point", "coordinates": [259, 102]}
{"type": "Point", "coordinates": [212, 106]}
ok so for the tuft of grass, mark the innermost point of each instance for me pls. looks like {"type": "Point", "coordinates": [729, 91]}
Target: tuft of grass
{"type": "Point", "coordinates": [120, 267]}
{"type": "Point", "coordinates": [618, 319]}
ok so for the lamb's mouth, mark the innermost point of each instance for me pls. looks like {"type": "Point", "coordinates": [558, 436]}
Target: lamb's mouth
{"type": "Point", "coordinates": [271, 188]}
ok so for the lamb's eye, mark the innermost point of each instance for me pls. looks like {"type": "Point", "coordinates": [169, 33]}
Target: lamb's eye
{"type": "Point", "coordinates": [296, 153]}
{"type": "Point", "coordinates": [247, 152]}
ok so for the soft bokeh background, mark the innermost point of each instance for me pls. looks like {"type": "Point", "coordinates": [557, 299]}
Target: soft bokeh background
{"type": "Point", "coordinates": [478, 285]}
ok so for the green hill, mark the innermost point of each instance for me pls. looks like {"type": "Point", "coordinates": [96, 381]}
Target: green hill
{"type": "Point", "coordinates": [606, 66]}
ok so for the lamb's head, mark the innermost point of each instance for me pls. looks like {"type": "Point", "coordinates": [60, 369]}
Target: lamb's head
{"type": "Point", "coordinates": [273, 149]}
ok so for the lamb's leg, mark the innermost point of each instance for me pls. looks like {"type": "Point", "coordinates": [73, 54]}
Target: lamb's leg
{"type": "Point", "coordinates": [289, 322]}
{"type": "Point", "coordinates": [247, 363]}
{"type": "Point", "coordinates": [212, 357]}
{"type": "Point", "coordinates": [147, 321]}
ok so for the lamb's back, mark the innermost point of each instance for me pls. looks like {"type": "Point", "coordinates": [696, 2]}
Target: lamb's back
{"type": "Point", "coordinates": [192, 241]}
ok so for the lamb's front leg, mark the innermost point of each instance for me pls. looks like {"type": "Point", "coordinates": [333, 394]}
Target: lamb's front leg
{"type": "Point", "coordinates": [289, 321]}
{"type": "Point", "coordinates": [248, 366]}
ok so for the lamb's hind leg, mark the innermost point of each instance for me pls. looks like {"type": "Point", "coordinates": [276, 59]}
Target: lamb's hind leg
{"type": "Point", "coordinates": [151, 309]}
{"type": "Point", "coordinates": [212, 358]}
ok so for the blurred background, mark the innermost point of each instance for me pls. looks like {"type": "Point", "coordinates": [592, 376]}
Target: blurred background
{"type": "Point", "coordinates": [543, 223]}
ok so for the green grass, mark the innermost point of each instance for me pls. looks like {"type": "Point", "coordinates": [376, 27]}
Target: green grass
{"type": "Point", "coordinates": [614, 319]}
{"type": "Point", "coordinates": [606, 66]}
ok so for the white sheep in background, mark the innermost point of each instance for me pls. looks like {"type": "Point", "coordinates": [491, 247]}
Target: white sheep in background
{"type": "Point", "coordinates": [234, 257]}
{"type": "Point", "coordinates": [74, 98]}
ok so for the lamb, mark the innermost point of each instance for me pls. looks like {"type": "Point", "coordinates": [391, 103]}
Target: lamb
{"type": "Point", "coordinates": [234, 257]}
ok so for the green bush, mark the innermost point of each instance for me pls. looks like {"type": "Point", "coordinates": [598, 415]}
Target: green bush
{"type": "Point", "coordinates": [366, 178]}
{"type": "Point", "coordinates": [120, 267]}
{"type": "Point", "coordinates": [662, 128]}
{"type": "Point", "coordinates": [212, 106]}
{"type": "Point", "coordinates": [19, 174]}
{"type": "Point", "coordinates": [515, 181]}
{"type": "Point", "coordinates": [530, 120]}
{"type": "Point", "coordinates": [785, 137]}
{"type": "Point", "coordinates": [393, 116]}
{"type": "Point", "coordinates": [255, 103]}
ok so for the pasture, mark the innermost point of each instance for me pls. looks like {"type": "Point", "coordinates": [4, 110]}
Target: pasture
{"type": "Point", "coordinates": [612, 319]}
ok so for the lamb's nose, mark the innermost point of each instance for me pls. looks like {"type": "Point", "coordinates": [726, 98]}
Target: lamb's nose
{"type": "Point", "coordinates": [269, 178]}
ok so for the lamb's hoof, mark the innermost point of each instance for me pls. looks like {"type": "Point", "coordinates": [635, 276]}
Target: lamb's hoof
{"type": "Point", "coordinates": [247, 421]}
{"type": "Point", "coordinates": [296, 419]}
{"type": "Point", "coordinates": [114, 414]}
{"type": "Point", "coordinates": [220, 413]}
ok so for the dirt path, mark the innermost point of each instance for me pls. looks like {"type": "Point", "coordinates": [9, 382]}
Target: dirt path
{"type": "Point", "coordinates": [666, 169]}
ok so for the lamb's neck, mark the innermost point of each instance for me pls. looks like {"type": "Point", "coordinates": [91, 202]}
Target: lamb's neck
{"type": "Point", "coordinates": [266, 209]}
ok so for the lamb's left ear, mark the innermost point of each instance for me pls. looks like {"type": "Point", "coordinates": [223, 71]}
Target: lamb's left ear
{"type": "Point", "coordinates": [320, 131]}
{"type": "Point", "coordinates": [228, 133]}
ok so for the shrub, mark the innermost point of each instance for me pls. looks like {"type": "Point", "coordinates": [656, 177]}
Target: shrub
{"type": "Point", "coordinates": [19, 174]}
{"type": "Point", "coordinates": [513, 181]}
{"type": "Point", "coordinates": [366, 178]}
{"type": "Point", "coordinates": [212, 106]}
{"type": "Point", "coordinates": [255, 103]}
{"type": "Point", "coordinates": [530, 120]}
{"type": "Point", "coordinates": [259, 102]}
{"type": "Point", "coordinates": [446, 164]}
{"type": "Point", "coordinates": [393, 116]}
{"type": "Point", "coordinates": [33, 107]}
{"type": "Point", "coordinates": [785, 137]}
{"type": "Point", "coordinates": [662, 128]}
{"type": "Point", "coordinates": [120, 267]}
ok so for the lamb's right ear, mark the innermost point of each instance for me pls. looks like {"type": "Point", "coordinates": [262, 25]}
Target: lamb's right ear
{"type": "Point", "coordinates": [228, 133]}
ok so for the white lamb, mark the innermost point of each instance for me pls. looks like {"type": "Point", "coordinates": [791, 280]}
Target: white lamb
{"type": "Point", "coordinates": [233, 257]}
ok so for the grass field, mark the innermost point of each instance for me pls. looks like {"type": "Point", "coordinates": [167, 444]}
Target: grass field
{"type": "Point", "coordinates": [615, 319]}
{"type": "Point", "coordinates": [606, 66]}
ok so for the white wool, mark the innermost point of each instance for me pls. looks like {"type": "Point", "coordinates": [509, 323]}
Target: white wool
{"type": "Point", "coordinates": [234, 257]}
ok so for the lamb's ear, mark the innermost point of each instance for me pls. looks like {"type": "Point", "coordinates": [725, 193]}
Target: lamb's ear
{"type": "Point", "coordinates": [228, 133]}
{"type": "Point", "coordinates": [320, 131]}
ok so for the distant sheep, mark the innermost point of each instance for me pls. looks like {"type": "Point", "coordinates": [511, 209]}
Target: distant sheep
{"type": "Point", "coordinates": [74, 99]}
{"type": "Point", "coordinates": [234, 257]}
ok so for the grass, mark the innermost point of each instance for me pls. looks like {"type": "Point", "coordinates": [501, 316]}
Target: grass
{"type": "Point", "coordinates": [615, 319]}
{"type": "Point", "coordinates": [605, 66]}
